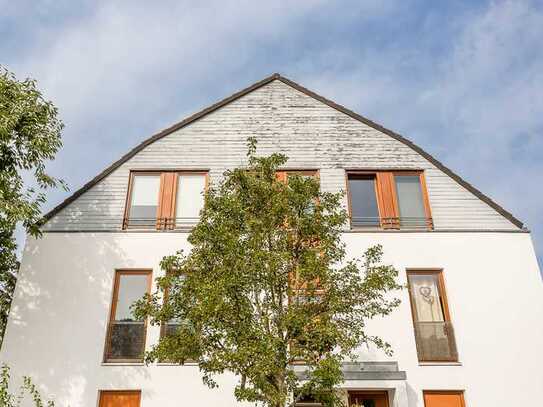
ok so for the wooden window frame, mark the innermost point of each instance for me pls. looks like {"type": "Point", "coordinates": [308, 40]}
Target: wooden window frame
{"type": "Point", "coordinates": [424, 192]}
{"type": "Point", "coordinates": [128, 201]}
{"type": "Point", "coordinates": [367, 174]}
{"type": "Point", "coordinates": [119, 392]}
{"type": "Point", "coordinates": [442, 299]}
{"type": "Point", "coordinates": [113, 308]}
{"type": "Point", "coordinates": [441, 285]}
{"type": "Point", "coordinates": [283, 174]}
{"type": "Point", "coordinates": [387, 197]}
{"type": "Point", "coordinates": [445, 392]}
{"type": "Point", "coordinates": [176, 183]}
{"type": "Point", "coordinates": [166, 200]}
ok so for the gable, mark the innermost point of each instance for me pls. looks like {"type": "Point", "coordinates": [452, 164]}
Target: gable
{"type": "Point", "coordinates": [312, 131]}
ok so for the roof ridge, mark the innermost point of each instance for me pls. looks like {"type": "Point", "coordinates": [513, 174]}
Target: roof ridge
{"type": "Point", "coordinates": [332, 104]}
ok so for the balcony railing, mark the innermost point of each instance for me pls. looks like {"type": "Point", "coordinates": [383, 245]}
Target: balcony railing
{"type": "Point", "coordinates": [159, 223]}
{"type": "Point", "coordinates": [435, 341]}
{"type": "Point", "coordinates": [125, 341]}
{"type": "Point", "coordinates": [410, 223]}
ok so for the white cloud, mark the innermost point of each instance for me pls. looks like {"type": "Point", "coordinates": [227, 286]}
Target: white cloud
{"type": "Point", "coordinates": [468, 85]}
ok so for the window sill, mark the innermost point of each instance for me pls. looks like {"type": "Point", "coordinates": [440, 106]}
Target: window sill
{"type": "Point", "coordinates": [440, 363]}
{"type": "Point", "coordinates": [122, 364]}
{"type": "Point", "coordinates": [177, 364]}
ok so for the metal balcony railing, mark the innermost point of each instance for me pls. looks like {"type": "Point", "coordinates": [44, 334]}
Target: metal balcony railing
{"type": "Point", "coordinates": [159, 223]}
{"type": "Point", "coordinates": [125, 341]}
{"type": "Point", "coordinates": [411, 223]}
{"type": "Point", "coordinates": [435, 341]}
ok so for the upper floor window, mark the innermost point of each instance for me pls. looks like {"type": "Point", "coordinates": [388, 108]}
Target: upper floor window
{"type": "Point", "coordinates": [434, 333]}
{"type": "Point", "coordinates": [125, 339]}
{"type": "Point", "coordinates": [171, 327]}
{"type": "Point", "coordinates": [363, 200]}
{"type": "Point", "coordinates": [164, 200]}
{"type": "Point", "coordinates": [388, 199]}
{"type": "Point", "coordinates": [144, 197]}
{"type": "Point", "coordinates": [284, 175]}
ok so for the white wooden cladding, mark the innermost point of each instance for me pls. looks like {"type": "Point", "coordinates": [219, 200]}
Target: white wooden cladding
{"type": "Point", "coordinates": [283, 119]}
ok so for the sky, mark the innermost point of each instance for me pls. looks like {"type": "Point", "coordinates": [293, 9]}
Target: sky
{"type": "Point", "coordinates": [462, 79]}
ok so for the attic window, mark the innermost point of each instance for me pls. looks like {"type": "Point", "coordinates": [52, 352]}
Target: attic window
{"type": "Point", "coordinates": [144, 195]}
{"type": "Point", "coordinates": [164, 200]}
{"type": "Point", "coordinates": [388, 200]}
{"type": "Point", "coordinates": [363, 200]}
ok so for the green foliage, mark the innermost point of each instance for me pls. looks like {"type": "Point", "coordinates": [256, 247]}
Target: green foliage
{"type": "Point", "coordinates": [267, 285]}
{"type": "Point", "coordinates": [29, 137]}
{"type": "Point", "coordinates": [27, 389]}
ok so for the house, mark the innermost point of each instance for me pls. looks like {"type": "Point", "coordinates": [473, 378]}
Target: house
{"type": "Point", "coordinates": [469, 330]}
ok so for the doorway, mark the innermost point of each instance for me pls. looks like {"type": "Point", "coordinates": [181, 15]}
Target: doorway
{"type": "Point", "coordinates": [368, 398]}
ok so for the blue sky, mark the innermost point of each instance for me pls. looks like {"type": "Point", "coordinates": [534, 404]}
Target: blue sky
{"type": "Point", "coordinates": [462, 79]}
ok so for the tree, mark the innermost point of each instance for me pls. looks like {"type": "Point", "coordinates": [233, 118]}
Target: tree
{"type": "Point", "coordinates": [30, 133]}
{"type": "Point", "coordinates": [266, 285]}
{"type": "Point", "coordinates": [28, 388]}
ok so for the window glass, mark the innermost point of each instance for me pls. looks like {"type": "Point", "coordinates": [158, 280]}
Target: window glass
{"type": "Point", "coordinates": [175, 291]}
{"type": "Point", "coordinates": [426, 297]}
{"type": "Point", "coordinates": [126, 335]}
{"type": "Point", "coordinates": [190, 197]}
{"type": "Point", "coordinates": [364, 209]}
{"type": "Point", "coordinates": [144, 199]}
{"type": "Point", "coordinates": [410, 204]}
{"type": "Point", "coordinates": [132, 287]}
{"type": "Point", "coordinates": [434, 333]}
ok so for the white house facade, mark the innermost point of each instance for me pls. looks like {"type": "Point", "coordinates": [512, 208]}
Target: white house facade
{"type": "Point", "coordinates": [468, 332]}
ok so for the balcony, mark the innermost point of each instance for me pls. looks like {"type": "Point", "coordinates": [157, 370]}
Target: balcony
{"type": "Point", "coordinates": [404, 223]}
{"type": "Point", "coordinates": [160, 223]}
{"type": "Point", "coordinates": [125, 341]}
{"type": "Point", "coordinates": [435, 341]}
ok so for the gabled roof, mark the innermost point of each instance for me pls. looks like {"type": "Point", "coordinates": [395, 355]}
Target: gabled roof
{"type": "Point", "coordinates": [308, 92]}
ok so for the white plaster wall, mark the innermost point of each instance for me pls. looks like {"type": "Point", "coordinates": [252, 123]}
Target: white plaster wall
{"type": "Point", "coordinates": [58, 321]}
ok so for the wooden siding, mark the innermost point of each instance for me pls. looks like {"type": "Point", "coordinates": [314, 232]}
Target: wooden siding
{"type": "Point", "coordinates": [283, 119]}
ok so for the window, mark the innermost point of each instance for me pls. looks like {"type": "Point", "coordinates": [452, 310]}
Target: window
{"type": "Point", "coordinates": [368, 398]}
{"type": "Point", "coordinates": [125, 339]}
{"type": "Point", "coordinates": [434, 332]}
{"type": "Point", "coordinates": [164, 200]}
{"type": "Point", "coordinates": [445, 398]}
{"type": "Point", "coordinates": [363, 201]}
{"type": "Point", "coordinates": [284, 175]}
{"type": "Point", "coordinates": [388, 200]}
{"type": "Point", "coordinates": [190, 197]}
{"type": "Point", "coordinates": [170, 327]}
{"type": "Point", "coordinates": [143, 209]}
{"type": "Point", "coordinates": [411, 207]}
{"type": "Point", "coordinates": [307, 401]}
{"type": "Point", "coordinates": [117, 398]}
